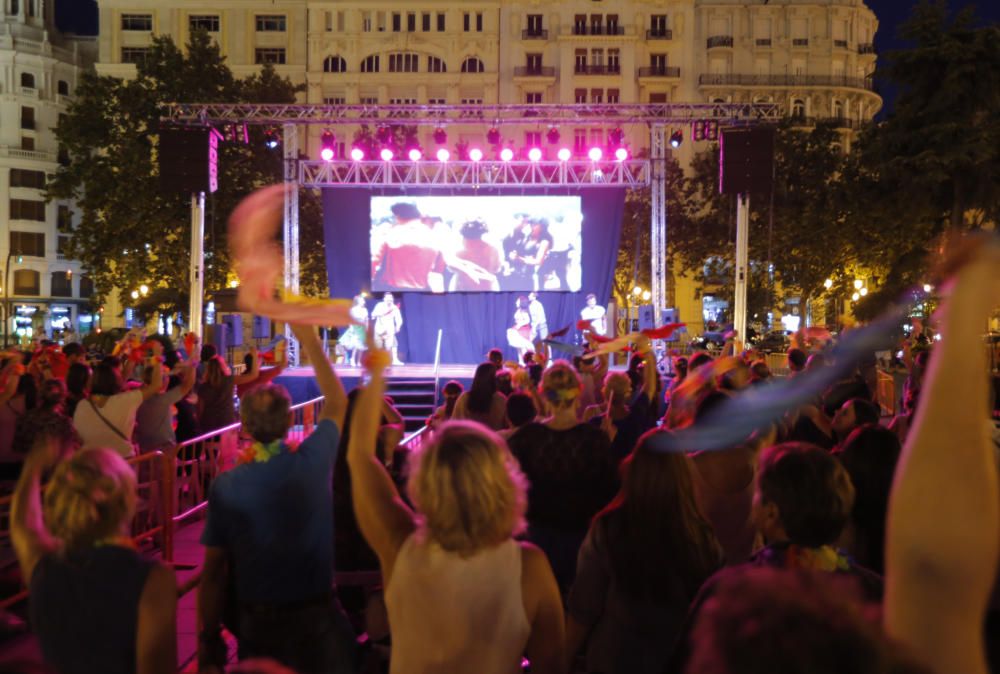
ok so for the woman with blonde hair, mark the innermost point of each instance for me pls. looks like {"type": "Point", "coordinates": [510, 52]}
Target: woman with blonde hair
{"type": "Point", "coordinates": [572, 471]}
{"type": "Point", "coordinates": [462, 595]}
{"type": "Point", "coordinates": [95, 604]}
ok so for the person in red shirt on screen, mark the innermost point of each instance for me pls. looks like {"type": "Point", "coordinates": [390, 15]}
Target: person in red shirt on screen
{"type": "Point", "coordinates": [477, 262]}
{"type": "Point", "coordinates": [408, 256]}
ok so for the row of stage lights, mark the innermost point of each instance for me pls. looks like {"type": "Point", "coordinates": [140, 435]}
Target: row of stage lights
{"type": "Point", "coordinates": [617, 149]}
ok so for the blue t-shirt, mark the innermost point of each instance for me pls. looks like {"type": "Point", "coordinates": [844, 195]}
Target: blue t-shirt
{"type": "Point", "coordinates": [275, 521]}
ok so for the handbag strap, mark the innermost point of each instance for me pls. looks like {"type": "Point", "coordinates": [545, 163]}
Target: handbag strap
{"type": "Point", "coordinates": [108, 423]}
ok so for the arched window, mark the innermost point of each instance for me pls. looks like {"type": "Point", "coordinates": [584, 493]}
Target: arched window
{"type": "Point", "coordinates": [334, 64]}
{"type": "Point", "coordinates": [838, 110]}
{"type": "Point", "coordinates": [370, 64]}
{"type": "Point", "coordinates": [472, 65]}
{"type": "Point", "coordinates": [436, 65]}
{"type": "Point", "coordinates": [28, 80]}
{"type": "Point", "coordinates": [798, 108]}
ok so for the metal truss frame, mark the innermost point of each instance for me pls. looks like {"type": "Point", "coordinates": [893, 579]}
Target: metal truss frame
{"type": "Point", "coordinates": [658, 117]}
{"type": "Point", "coordinates": [631, 173]}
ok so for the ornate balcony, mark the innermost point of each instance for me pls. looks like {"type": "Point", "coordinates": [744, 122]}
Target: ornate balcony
{"type": "Point", "coordinates": [787, 81]}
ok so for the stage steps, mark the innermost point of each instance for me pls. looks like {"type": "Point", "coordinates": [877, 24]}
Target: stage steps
{"type": "Point", "coordinates": [414, 398]}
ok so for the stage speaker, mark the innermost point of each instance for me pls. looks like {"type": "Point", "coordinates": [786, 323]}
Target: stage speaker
{"type": "Point", "coordinates": [746, 158]}
{"type": "Point", "coordinates": [217, 334]}
{"type": "Point", "coordinates": [672, 315]}
{"type": "Point", "coordinates": [235, 324]}
{"type": "Point", "coordinates": [646, 315]}
{"type": "Point", "coordinates": [189, 159]}
{"type": "Point", "coordinates": [261, 327]}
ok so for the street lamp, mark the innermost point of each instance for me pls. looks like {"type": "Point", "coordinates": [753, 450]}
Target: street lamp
{"type": "Point", "coordinates": [858, 283]}
{"type": "Point", "coordinates": [828, 283]}
{"type": "Point", "coordinates": [144, 290]}
{"type": "Point", "coordinates": [855, 297]}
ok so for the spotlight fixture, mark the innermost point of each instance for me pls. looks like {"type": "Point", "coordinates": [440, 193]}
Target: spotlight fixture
{"type": "Point", "coordinates": [493, 136]}
{"type": "Point", "coordinates": [475, 154]}
{"type": "Point", "coordinates": [440, 136]}
{"type": "Point", "coordinates": [676, 138]}
{"type": "Point", "coordinates": [357, 154]}
{"type": "Point", "coordinates": [621, 154]}
{"type": "Point", "coordinates": [595, 154]}
{"type": "Point", "coordinates": [386, 154]}
{"type": "Point", "coordinates": [552, 135]}
{"type": "Point", "coordinates": [564, 154]}
{"type": "Point", "coordinates": [414, 154]}
{"type": "Point", "coordinates": [535, 154]}
{"type": "Point", "coordinates": [271, 140]}
{"type": "Point", "coordinates": [443, 154]}
{"type": "Point", "coordinates": [328, 144]}
{"type": "Point", "coordinates": [506, 154]}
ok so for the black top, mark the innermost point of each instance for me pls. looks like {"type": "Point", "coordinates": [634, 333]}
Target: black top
{"type": "Point", "coordinates": [84, 607]}
{"type": "Point", "coordinates": [573, 473]}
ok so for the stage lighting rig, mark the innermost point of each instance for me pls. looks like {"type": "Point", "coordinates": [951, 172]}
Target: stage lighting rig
{"type": "Point", "coordinates": [384, 135]}
{"type": "Point", "coordinates": [705, 129]}
{"type": "Point", "coordinates": [328, 146]}
{"type": "Point", "coordinates": [552, 135]}
{"type": "Point", "coordinates": [676, 139]}
{"type": "Point", "coordinates": [440, 136]}
{"type": "Point", "coordinates": [271, 139]}
{"type": "Point", "coordinates": [493, 136]}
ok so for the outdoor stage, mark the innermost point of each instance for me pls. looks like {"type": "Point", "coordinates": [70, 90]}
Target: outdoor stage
{"type": "Point", "coordinates": [301, 381]}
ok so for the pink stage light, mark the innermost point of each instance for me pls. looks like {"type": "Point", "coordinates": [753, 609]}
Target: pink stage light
{"type": "Point", "coordinates": [621, 154]}
{"type": "Point", "coordinates": [415, 154]}
{"type": "Point", "coordinates": [326, 154]}
{"type": "Point", "coordinates": [443, 154]}
{"type": "Point", "coordinates": [386, 154]}
{"type": "Point", "coordinates": [506, 154]}
{"type": "Point", "coordinates": [535, 154]}
{"type": "Point", "coordinates": [475, 154]}
{"type": "Point", "coordinates": [595, 154]}
{"type": "Point", "coordinates": [357, 154]}
{"type": "Point", "coordinates": [564, 154]}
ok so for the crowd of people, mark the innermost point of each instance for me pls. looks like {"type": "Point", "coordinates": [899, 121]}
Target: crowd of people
{"type": "Point", "coordinates": [539, 524]}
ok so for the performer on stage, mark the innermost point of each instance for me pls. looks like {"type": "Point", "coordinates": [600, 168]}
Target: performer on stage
{"type": "Point", "coordinates": [539, 326]}
{"type": "Point", "coordinates": [388, 321]}
{"type": "Point", "coordinates": [519, 336]}
{"type": "Point", "coordinates": [353, 340]}
{"type": "Point", "coordinates": [596, 314]}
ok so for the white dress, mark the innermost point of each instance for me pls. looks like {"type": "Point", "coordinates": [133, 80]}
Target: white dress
{"type": "Point", "coordinates": [452, 614]}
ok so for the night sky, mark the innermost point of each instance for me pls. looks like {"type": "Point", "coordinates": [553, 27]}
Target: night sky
{"type": "Point", "coordinates": [80, 16]}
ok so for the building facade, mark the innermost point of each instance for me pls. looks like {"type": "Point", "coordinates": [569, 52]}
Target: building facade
{"type": "Point", "coordinates": [43, 292]}
{"type": "Point", "coordinates": [815, 59]}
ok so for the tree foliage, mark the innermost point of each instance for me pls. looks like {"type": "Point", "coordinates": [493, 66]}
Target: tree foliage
{"type": "Point", "coordinates": [131, 233]}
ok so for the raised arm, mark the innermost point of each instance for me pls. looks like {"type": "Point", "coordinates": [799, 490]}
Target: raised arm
{"type": "Point", "coordinates": [253, 372]}
{"type": "Point", "coordinates": [650, 375]}
{"type": "Point", "coordinates": [384, 520]}
{"type": "Point", "coordinates": [329, 383]}
{"type": "Point", "coordinates": [155, 361]}
{"type": "Point", "coordinates": [944, 519]}
{"type": "Point", "coordinates": [27, 526]}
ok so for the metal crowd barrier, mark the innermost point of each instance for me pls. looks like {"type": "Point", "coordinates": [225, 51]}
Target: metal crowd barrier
{"type": "Point", "coordinates": [173, 486]}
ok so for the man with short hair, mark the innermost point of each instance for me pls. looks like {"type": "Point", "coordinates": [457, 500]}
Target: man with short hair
{"type": "Point", "coordinates": [387, 322]}
{"type": "Point", "coordinates": [796, 361]}
{"type": "Point", "coordinates": [495, 356]}
{"type": "Point", "coordinates": [270, 527]}
{"type": "Point", "coordinates": [596, 315]}
{"type": "Point", "coordinates": [409, 258]}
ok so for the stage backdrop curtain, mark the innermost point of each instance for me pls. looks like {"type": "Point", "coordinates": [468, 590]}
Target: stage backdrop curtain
{"type": "Point", "coordinates": [472, 323]}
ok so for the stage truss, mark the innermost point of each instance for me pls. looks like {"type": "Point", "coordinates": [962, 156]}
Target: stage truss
{"type": "Point", "coordinates": [429, 173]}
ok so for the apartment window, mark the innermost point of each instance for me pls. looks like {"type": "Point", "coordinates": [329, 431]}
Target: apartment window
{"type": "Point", "coordinates": [62, 88]}
{"type": "Point", "coordinates": [134, 55]}
{"type": "Point", "coordinates": [580, 140]}
{"type": "Point", "coordinates": [614, 96]}
{"type": "Point", "coordinates": [472, 22]}
{"type": "Point", "coordinates": [206, 22]}
{"type": "Point", "coordinates": [62, 247]}
{"type": "Point", "coordinates": [597, 137]}
{"type": "Point", "coordinates": [31, 244]}
{"type": "Point", "coordinates": [28, 143]}
{"type": "Point", "coordinates": [436, 101]}
{"type": "Point", "coordinates": [534, 62]}
{"type": "Point", "coordinates": [472, 101]}
{"type": "Point", "coordinates": [580, 24]}
{"type": "Point", "coordinates": [403, 63]}
{"type": "Point", "coordinates": [62, 284]}
{"type": "Point", "coordinates": [271, 23]}
{"type": "Point", "coordinates": [366, 22]}
{"type": "Point", "coordinates": [370, 64]}
{"type": "Point", "coordinates": [658, 62]}
{"type": "Point", "coordinates": [472, 65]}
{"type": "Point", "coordinates": [27, 117]}
{"type": "Point", "coordinates": [467, 22]}
{"type": "Point", "coordinates": [397, 22]}
{"type": "Point", "coordinates": [479, 22]}
{"type": "Point", "coordinates": [658, 98]}
{"type": "Point", "coordinates": [402, 101]}
{"type": "Point", "coordinates": [27, 209]}
{"type": "Point", "coordinates": [137, 22]}
{"type": "Point", "coordinates": [596, 21]}
{"type": "Point", "coordinates": [533, 138]}
{"type": "Point", "coordinates": [612, 23]}
{"type": "Point", "coordinates": [86, 286]}
{"type": "Point", "coordinates": [27, 80]}
{"type": "Point", "coordinates": [798, 108]}
{"type": "Point", "coordinates": [64, 218]}
{"type": "Point", "coordinates": [597, 95]}
{"type": "Point", "coordinates": [334, 100]}
{"type": "Point", "coordinates": [535, 24]}
{"type": "Point", "coordinates": [328, 21]}
{"type": "Point", "coordinates": [597, 57]}
{"type": "Point", "coordinates": [27, 282]}
{"type": "Point", "coordinates": [425, 22]}
{"type": "Point", "coordinates": [436, 65]}
{"type": "Point", "coordinates": [581, 60]}
{"type": "Point", "coordinates": [26, 178]}
{"type": "Point", "coordinates": [533, 97]}
{"type": "Point", "coordinates": [580, 95]}
{"type": "Point", "coordinates": [838, 110]}
{"type": "Point", "coordinates": [440, 22]}
{"type": "Point", "coordinates": [411, 22]}
{"type": "Point", "coordinates": [658, 25]}
{"type": "Point", "coordinates": [334, 64]}
{"type": "Point", "coordinates": [273, 55]}
{"type": "Point", "coordinates": [614, 60]}
{"type": "Point", "coordinates": [369, 100]}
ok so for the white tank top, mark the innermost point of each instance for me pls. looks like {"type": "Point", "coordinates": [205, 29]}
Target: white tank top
{"type": "Point", "coordinates": [452, 614]}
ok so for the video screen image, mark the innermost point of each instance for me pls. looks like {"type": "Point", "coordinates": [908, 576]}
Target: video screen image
{"type": "Point", "coordinates": [476, 244]}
